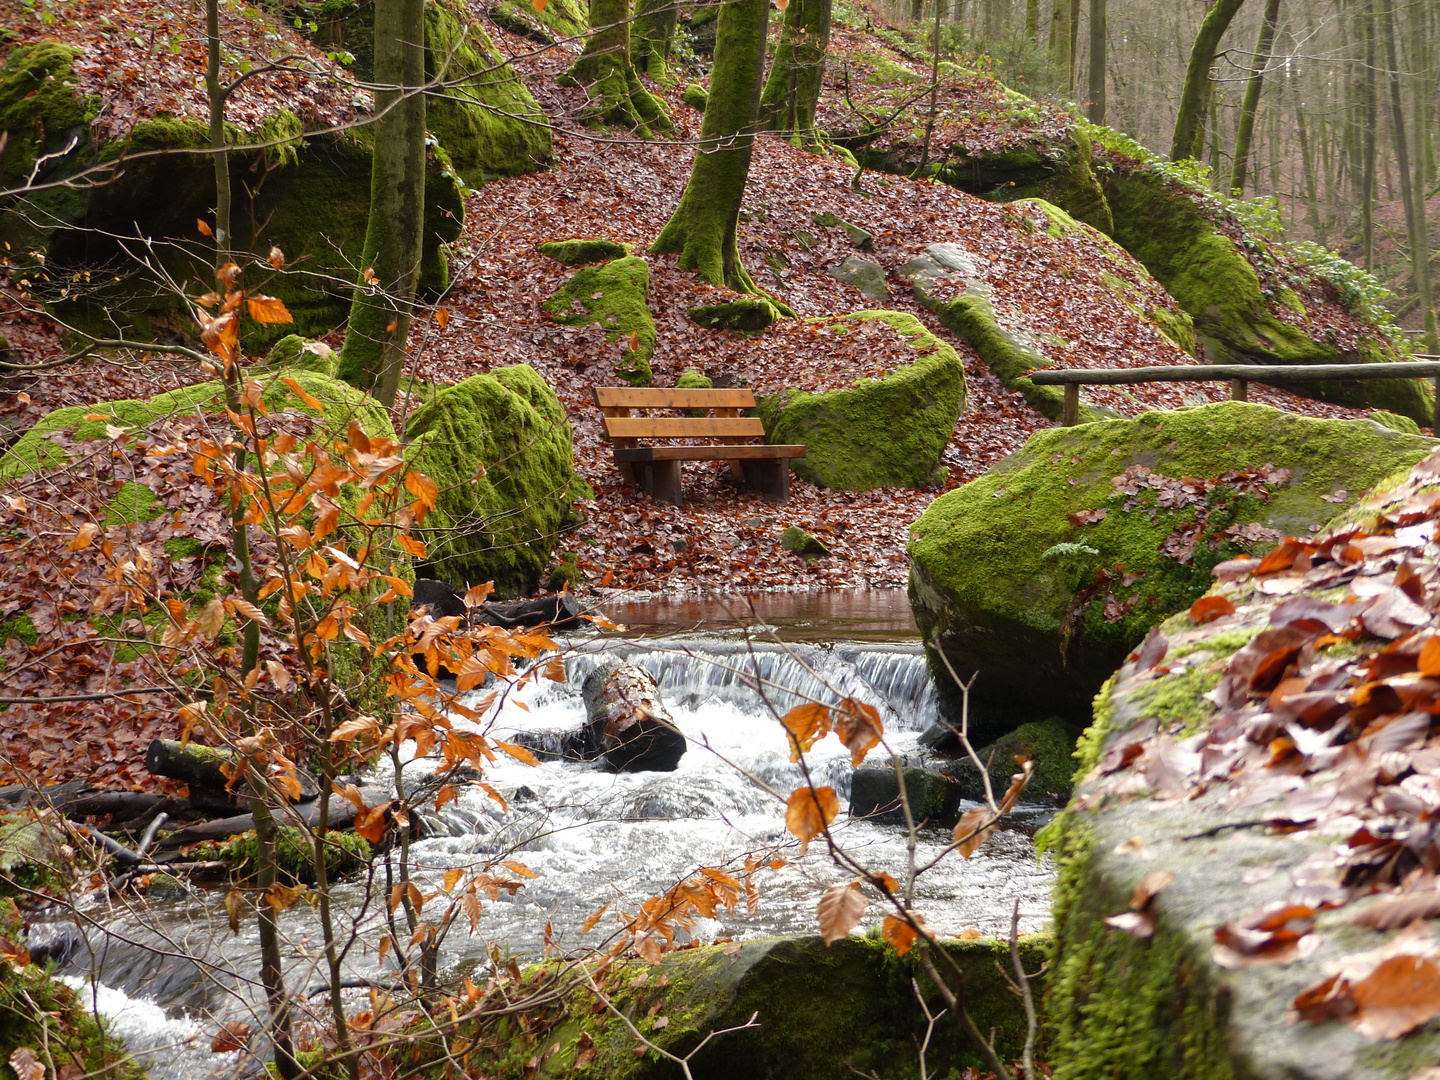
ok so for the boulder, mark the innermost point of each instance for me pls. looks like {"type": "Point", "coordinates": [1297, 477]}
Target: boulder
{"type": "Point", "coordinates": [805, 544]}
{"type": "Point", "coordinates": [821, 1012]}
{"type": "Point", "coordinates": [580, 252]}
{"type": "Point", "coordinates": [697, 97]}
{"type": "Point", "coordinates": [875, 795]}
{"type": "Point", "coordinates": [1046, 571]}
{"type": "Point", "coordinates": [885, 432]}
{"type": "Point", "coordinates": [864, 274]}
{"type": "Point", "coordinates": [745, 313]}
{"type": "Point", "coordinates": [613, 295]}
{"type": "Point", "coordinates": [1048, 743]}
{"type": "Point", "coordinates": [1216, 759]}
{"type": "Point", "coordinates": [33, 856]}
{"type": "Point", "coordinates": [500, 449]}
{"type": "Point", "coordinates": [859, 237]}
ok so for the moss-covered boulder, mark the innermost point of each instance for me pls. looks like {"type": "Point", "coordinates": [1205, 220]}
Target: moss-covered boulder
{"type": "Point", "coordinates": [345, 854]}
{"type": "Point", "coordinates": [1046, 571]}
{"type": "Point", "coordinates": [501, 450]}
{"type": "Point", "coordinates": [1048, 743]}
{"type": "Point", "coordinates": [884, 432]}
{"type": "Point", "coordinates": [931, 795]}
{"type": "Point", "coordinates": [556, 20]}
{"type": "Point", "coordinates": [821, 1012]}
{"type": "Point", "coordinates": [1166, 228]}
{"type": "Point", "coordinates": [697, 97]}
{"type": "Point", "coordinates": [579, 252]}
{"type": "Point", "coordinates": [804, 543]}
{"type": "Point", "coordinates": [615, 295]}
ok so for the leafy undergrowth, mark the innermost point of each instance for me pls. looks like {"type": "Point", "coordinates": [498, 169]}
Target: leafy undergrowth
{"type": "Point", "coordinates": [1321, 724]}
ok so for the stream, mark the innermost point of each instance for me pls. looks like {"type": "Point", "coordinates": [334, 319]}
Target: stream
{"type": "Point", "coordinates": [167, 971]}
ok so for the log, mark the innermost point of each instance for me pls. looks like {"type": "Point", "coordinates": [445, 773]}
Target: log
{"type": "Point", "coordinates": [559, 612]}
{"type": "Point", "coordinates": [342, 815]}
{"type": "Point", "coordinates": [628, 721]}
{"type": "Point", "coordinates": [199, 766]}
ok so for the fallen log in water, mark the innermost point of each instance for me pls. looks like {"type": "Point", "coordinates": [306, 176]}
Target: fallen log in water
{"type": "Point", "coordinates": [203, 766]}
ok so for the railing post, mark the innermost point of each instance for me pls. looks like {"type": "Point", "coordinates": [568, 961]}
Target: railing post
{"type": "Point", "coordinates": [1070, 415]}
{"type": "Point", "coordinates": [1239, 390]}
{"type": "Point", "coordinates": [1436, 429]}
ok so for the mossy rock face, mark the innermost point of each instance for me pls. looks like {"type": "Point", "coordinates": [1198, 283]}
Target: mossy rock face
{"type": "Point", "coordinates": [615, 295]}
{"type": "Point", "coordinates": [1210, 276]}
{"type": "Point", "coordinates": [345, 854]}
{"type": "Point", "coordinates": [1045, 604]}
{"type": "Point", "coordinates": [37, 107]}
{"type": "Point", "coordinates": [821, 1011]}
{"type": "Point", "coordinates": [502, 526]}
{"type": "Point", "coordinates": [886, 432]}
{"type": "Point", "coordinates": [1048, 743]}
{"type": "Point", "coordinates": [875, 795]}
{"type": "Point", "coordinates": [579, 252]}
{"type": "Point", "coordinates": [486, 120]}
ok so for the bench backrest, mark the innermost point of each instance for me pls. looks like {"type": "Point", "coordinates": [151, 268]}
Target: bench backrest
{"type": "Point", "coordinates": [617, 401]}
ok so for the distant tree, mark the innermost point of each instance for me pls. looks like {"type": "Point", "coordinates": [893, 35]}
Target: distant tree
{"type": "Point", "coordinates": [793, 90]}
{"type": "Point", "coordinates": [379, 325]}
{"type": "Point", "coordinates": [1193, 95]}
{"type": "Point", "coordinates": [703, 229]}
{"type": "Point", "coordinates": [1098, 31]}
{"type": "Point", "coordinates": [607, 71]}
{"type": "Point", "coordinates": [1253, 85]}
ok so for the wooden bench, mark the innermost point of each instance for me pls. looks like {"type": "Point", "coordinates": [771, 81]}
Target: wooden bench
{"type": "Point", "coordinates": [656, 469]}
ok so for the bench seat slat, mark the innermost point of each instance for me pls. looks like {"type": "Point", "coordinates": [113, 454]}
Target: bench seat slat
{"type": "Point", "coordinates": [636, 454]}
{"type": "Point", "coordinates": [682, 427]}
{"type": "Point", "coordinates": [664, 397]}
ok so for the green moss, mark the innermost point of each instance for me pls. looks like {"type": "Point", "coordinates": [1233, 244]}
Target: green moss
{"type": "Point", "coordinates": [693, 379]}
{"type": "Point", "coordinates": [579, 252]}
{"type": "Point", "coordinates": [566, 573]}
{"type": "Point", "coordinates": [885, 432]}
{"type": "Point", "coordinates": [19, 626]}
{"type": "Point", "coordinates": [503, 525]}
{"type": "Point", "coordinates": [696, 97]}
{"type": "Point", "coordinates": [615, 295]}
{"type": "Point", "coordinates": [132, 503]}
{"type": "Point", "coordinates": [345, 854]}
{"type": "Point", "coordinates": [981, 584]}
{"type": "Point", "coordinates": [747, 314]}
{"type": "Point", "coordinates": [1395, 423]}
{"type": "Point", "coordinates": [38, 106]}
{"type": "Point", "coordinates": [1068, 183]}
{"type": "Point", "coordinates": [558, 19]}
{"type": "Point", "coordinates": [805, 544]}
{"type": "Point", "coordinates": [487, 119]}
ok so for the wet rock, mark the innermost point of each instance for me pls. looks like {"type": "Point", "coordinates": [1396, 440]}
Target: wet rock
{"type": "Point", "coordinates": [805, 544]}
{"type": "Point", "coordinates": [862, 274]}
{"type": "Point", "coordinates": [1048, 743]}
{"type": "Point", "coordinates": [875, 794]}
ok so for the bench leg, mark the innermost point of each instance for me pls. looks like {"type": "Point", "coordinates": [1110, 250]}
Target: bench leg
{"type": "Point", "coordinates": [661, 479]}
{"type": "Point", "coordinates": [769, 476]}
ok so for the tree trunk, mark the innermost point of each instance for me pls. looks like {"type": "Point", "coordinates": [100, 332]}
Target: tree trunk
{"type": "Point", "coordinates": [1414, 200]}
{"type": "Point", "coordinates": [220, 158]}
{"type": "Point", "coordinates": [379, 326]}
{"type": "Point", "coordinates": [1060, 37]}
{"type": "Point", "coordinates": [605, 70]}
{"type": "Point", "coordinates": [1251, 101]}
{"type": "Point", "coordinates": [1367, 177]}
{"type": "Point", "coordinates": [1032, 21]}
{"type": "Point", "coordinates": [793, 90]}
{"type": "Point", "coordinates": [1197, 76]}
{"type": "Point", "coordinates": [654, 35]}
{"type": "Point", "coordinates": [1420, 51]}
{"type": "Point", "coordinates": [1098, 32]}
{"type": "Point", "coordinates": [1307, 176]}
{"type": "Point", "coordinates": [1074, 46]}
{"type": "Point", "coordinates": [703, 228]}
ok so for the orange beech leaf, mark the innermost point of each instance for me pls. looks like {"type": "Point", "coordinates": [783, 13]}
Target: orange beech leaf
{"type": "Point", "coordinates": [518, 752]}
{"type": "Point", "coordinates": [519, 868]}
{"type": "Point", "coordinates": [968, 832]}
{"type": "Point", "coordinates": [594, 918]}
{"type": "Point", "coordinates": [276, 258]}
{"type": "Point", "coordinates": [1429, 661]}
{"type": "Point", "coordinates": [839, 910]}
{"type": "Point", "coordinates": [205, 229]}
{"type": "Point", "coordinates": [1209, 608]}
{"type": "Point", "coordinates": [1402, 993]}
{"type": "Point", "coordinates": [453, 875]}
{"type": "Point", "coordinates": [807, 725]}
{"type": "Point", "coordinates": [268, 309]}
{"type": "Point", "coordinates": [370, 822]}
{"type": "Point", "coordinates": [899, 933]}
{"type": "Point", "coordinates": [83, 537]}
{"type": "Point", "coordinates": [555, 669]}
{"type": "Point", "coordinates": [809, 810]}
{"type": "Point", "coordinates": [538, 5]}
{"type": "Point", "coordinates": [234, 1035]}
{"type": "Point", "coordinates": [442, 317]}
{"type": "Point", "coordinates": [448, 793]}
{"type": "Point", "coordinates": [425, 490]}
{"type": "Point", "coordinates": [300, 392]}
{"type": "Point", "coordinates": [859, 728]}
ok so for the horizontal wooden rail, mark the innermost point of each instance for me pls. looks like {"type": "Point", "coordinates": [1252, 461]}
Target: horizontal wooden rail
{"type": "Point", "coordinates": [1240, 376]}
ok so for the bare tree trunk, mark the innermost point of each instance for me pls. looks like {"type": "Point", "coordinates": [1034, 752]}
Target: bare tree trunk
{"type": "Point", "coordinates": [1251, 101]}
{"type": "Point", "coordinates": [1367, 179]}
{"type": "Point", "coordinates": [1098, 31]}
{"type": "Point", "coordinates": [1060, 36]}
{"type": "Point", "coordinates": [1032, 21]}
{"type": "Point", "coordinates": [1420, 50]}
{"type": "Point", "coordinates": [1413, 200]}
{"type": "Point", "coordinates": [1197, 76]}
{"type": "Point", "coordinates": [379, 326]}
{"type": "Point", "coordinates": [1074, 46]}
{"type": "Point", "coordinates": [703, 229]}
{"type": "Point", "coordinates": [1307, 173]}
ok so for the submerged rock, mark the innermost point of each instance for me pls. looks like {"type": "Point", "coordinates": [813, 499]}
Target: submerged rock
{"type": "Point", "coordinates": [1046, 571]}
{"type": "Point", "coordinates": [875, 794]}
{"type": "Point", "coordinates": [885, 432]}
{"type": "Point", "coordinates": [499, 447]}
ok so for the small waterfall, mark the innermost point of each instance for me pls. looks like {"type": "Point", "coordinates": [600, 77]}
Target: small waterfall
{"type": "Point", "coordinates": [763, 676]}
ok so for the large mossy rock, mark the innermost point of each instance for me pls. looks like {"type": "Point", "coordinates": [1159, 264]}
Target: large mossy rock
{"type": "Point", "coordinates": [615, 295]}
{"type": "Point", "coordinates": [1168, 230]}
{"type": "Point", "coordinates": [885, 432]}
{"type": "Point", "coordinates": [501, 450]}
{"type": "Point", "coordinates": [1036, 576]}
{"type": "Point", "coordinates": [821, 1012]}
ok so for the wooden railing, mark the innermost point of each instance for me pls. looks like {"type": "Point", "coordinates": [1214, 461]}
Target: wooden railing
{"type": "Point", "coordinates": [1240, 376]}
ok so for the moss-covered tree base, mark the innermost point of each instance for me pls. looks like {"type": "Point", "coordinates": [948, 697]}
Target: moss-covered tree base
{"type": "Point", "coordinates": [885, 432]}
{"type": "Point", "coordinates": [1037, 576]}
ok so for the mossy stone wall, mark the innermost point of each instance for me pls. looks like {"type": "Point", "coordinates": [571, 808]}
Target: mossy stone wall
{"type": "Point", "coordinates": [500, 526]}
{"type": "Point", "coordinates": [996, 566]}
{"type": "Point", "coordinates": [885, 432]}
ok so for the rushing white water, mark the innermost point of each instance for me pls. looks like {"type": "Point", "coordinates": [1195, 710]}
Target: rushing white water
{"type": "Point", "coordinates": [593, 838]}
